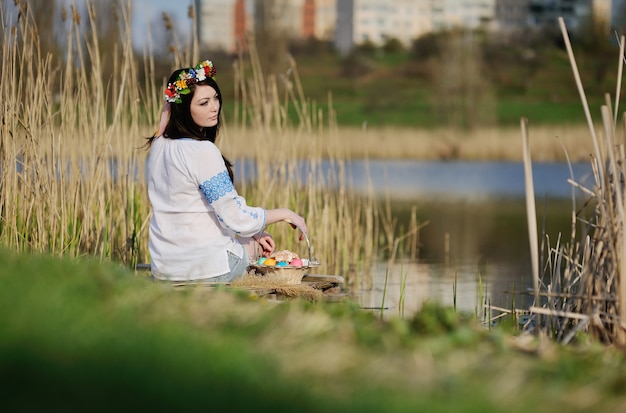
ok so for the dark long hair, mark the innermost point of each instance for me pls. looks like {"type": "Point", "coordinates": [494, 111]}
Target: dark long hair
{"type": "Point", "coordinates": [181, 124]}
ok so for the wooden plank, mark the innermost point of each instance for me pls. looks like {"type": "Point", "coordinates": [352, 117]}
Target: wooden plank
{"type": "Point", "coordinates": [557, 313]}
{"type": "Point", "coordinates": [142, 266]}
{"type": "Point", "coordinates": [335, 297]}
{"type": "Point", "coordinates": [329, 285]}
{"type": "Point", "coordinates": [307, 277]}
{"type": "Point", "coordinates": [322, 277]}
{"type": "Point", "coordinates": [320, 285]}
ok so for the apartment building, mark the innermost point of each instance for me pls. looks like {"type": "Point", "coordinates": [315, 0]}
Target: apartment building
{"type": "Point", "coordinates": [618, 14]}
{"type": "Point", "coordinates": [520, 14]}
{"type": "Point", "coordinates": [547, 12]}
{"type": "Point", "coordinates": [376, 21]}
{"type": "Point", "coordinates": [325, 18]}
{"type": "Point", "coordinates": [511, 15]}
{"type": "Point", "coordinates": [223, 24]}
{"type": "Point", "coordinates": [469, 14]}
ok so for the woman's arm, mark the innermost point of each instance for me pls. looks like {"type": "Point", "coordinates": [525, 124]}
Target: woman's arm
{"type": "Point", "coordinates": [284, 214]}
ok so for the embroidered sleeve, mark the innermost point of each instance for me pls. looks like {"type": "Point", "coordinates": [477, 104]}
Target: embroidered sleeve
{"type": "Point", "coordinates": [217, 186]}
{"type": "Point", "coordinates": [220, 193]}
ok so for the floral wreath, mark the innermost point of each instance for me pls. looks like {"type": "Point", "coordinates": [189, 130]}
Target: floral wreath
{"type": "Point", "coordinates": [174, 90]}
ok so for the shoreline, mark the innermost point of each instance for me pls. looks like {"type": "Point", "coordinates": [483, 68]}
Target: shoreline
{"type": "Point", "coordinates": [547, 143]}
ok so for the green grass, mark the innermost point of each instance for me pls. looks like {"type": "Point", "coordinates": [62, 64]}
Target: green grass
{"type": "Point", "coordinates": [398, 90]}
{"type": "Point", "coordinates": [83, 336]}
{"type": "Point", "coordinates": [543, 112]}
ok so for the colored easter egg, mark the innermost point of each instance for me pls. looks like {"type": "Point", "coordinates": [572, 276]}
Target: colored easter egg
{"type": "Point", "coordinates": [296, 262]}
{"type": "Point", "coordinates": [270, 262]}
{"type": "Point", "coordinates": [282, 264]}
{"type": "Point", "coordinates": [261, 260]}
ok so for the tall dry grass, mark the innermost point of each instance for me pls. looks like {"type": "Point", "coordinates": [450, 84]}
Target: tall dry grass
{"type": "Point", "coordinates": [72, 165]}
{"type": "Point", "coordinates": [69, 166]}
{"type": "Point", "coordinates": [583, 283]}
{"type": "Point", "coordinates": [347, 232]}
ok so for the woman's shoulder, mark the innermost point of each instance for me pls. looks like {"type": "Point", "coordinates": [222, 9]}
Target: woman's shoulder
{"type": "Point", "coordinates": [194, 146]}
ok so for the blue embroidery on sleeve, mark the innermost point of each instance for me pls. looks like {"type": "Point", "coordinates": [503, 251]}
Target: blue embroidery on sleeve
{"type": "Point", "coordinates": [253, 214]}
{"type": "Point", "coordinates": [216, 187]}
{"type": "Point", "coordinates": [247, 211]}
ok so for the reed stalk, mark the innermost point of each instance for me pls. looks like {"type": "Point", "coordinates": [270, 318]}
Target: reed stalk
{"type": "Point", "coordinates": [583, 288]}
{"type": "Point", "coordinates": [384, 296]}
{"type": "Point", "coordinates": [71, 171]}
{"type": "Point", "coordinates": [404, 275]}
{"type": "Point", "coordinates": [530, 208]}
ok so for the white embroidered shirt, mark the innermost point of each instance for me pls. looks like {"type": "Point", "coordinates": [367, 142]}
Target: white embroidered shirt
{"type": "Point", "coordinates": [196, 211]}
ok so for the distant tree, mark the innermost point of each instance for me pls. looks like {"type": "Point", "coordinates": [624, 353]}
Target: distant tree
{"type": "Point", "coordinates": [463, 96]}
{"type": "Point", "coordinates": [46, 15]}
{"type": "Point", "coordinates": [426, 46]}
{"type": "Point", "coordinates": [30, 28]}
{"type": "Point", "coordinates": [311, 47]}
{"type": "Point", "coordinates": [367, 47]}
{"type": "Point", "coordinates": [271, 38]}
{"type": "Point", "coordinates": [43, 16]}
{"type": "Point", "coordinates": [513, 60]}
{"type": "Point", "coordinates": [355, 65]}
{"type": "Point", "coordinates": [597, 44]}
{"type": "Point", "coordinates": [106, 26]}
{"type": "Point", "coordinates": [393, 45]}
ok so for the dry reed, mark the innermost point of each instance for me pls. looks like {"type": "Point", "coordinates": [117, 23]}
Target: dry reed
{"type": "Point", "coordinates": [584, 287]}
{"type": "Point", "coordinates": [73, 190]}
{"type": "Point", "coordinates": [75, 139]}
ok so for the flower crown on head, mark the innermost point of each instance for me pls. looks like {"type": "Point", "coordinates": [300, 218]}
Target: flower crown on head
{"type": "Point", "coordinates": [174, 90]}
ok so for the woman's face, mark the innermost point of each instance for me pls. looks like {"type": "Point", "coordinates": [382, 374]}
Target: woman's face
{"type": "Point", "coordinates": [205, 106]}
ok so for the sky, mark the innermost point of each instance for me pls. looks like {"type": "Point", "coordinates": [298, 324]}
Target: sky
{"type": "Point", "coordinates": [146, 11]}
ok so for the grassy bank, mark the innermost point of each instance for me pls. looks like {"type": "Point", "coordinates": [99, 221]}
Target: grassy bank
{"type": "Point", "coordinates": [548, 143]}
{"type": "Point", "coordinates": [79, 335]}
{"type": "Point", "coordinates": [503, 80]}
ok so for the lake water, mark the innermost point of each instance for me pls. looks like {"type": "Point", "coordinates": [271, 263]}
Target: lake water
{"type": "Point", "coordinates": [475, 248]}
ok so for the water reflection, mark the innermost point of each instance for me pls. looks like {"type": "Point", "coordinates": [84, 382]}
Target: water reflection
{"type": "Point", "coordinates": [401, 290]}
{"type": "Point", "coordinates": [475, 248]}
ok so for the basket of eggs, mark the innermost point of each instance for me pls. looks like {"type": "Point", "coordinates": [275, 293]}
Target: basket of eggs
{"type": "Point", "coordinates": [285, 266]}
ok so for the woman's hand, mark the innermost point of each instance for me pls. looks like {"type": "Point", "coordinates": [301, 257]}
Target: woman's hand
{"type": "Point", "coordinates": [287, 215]}
{"type": "Point", "coordinates": [297, 222]}
{"type": "Point", "coordinates": [266, 242]}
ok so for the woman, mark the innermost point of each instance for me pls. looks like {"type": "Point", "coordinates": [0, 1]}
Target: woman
{"type": "Point", "coordinates": [201, 229]}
